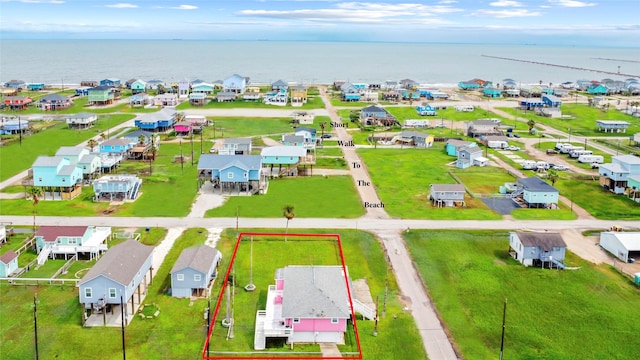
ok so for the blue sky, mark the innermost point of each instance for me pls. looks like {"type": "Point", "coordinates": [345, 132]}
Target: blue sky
{"type": "Point", "coordinates": [562, 22]}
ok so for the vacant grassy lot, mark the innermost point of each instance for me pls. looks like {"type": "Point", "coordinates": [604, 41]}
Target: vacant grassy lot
{"type": "Point", "coordinates": [402, 179]}
{"type": "Point", "coordinates": [599, 202]}
{"type": "Point", "coordinates": [15, 158]}
{"type": "Point", "coordinates": [403, 113]}
{"type": "Point", "coordinates": [314, 196]}
{"type": "Point", "coordinates": [79, 105]}
{"type": "Point", "coordinates": [589, 313]}
{"type": "Point", "coordinates": [364, 259]}
{"type": "Point", "coordinates": [583, 121]}
{"type": "Point", "coordinates": [313, 102]}
{"type": "Point", "coordinates": [226, 127]}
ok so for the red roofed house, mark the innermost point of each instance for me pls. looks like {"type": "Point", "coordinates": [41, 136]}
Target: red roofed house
{"type": "Point", "coordinates": [66, 241]}
{"type": "Point", "coordinates": [17, 102]}
{"type": "Point", "coordinates": [8, 263]}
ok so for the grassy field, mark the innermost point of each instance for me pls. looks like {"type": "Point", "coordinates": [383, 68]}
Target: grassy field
{"type": "Point", "coordinates": [402, 179]}
{"type": "Point", "coordinates": [583, 121]}
{"type": "Point", "coordinates": [403, 113]}
{"type": "Point", "coordinates": [315, 196]}
{"type": "Point", "coordinates": [589, 313]}
{"type": "Point", "coordinates": [79, 105]}
{"type": "Point", "coordinates": [364, 259]}
{"type": "Point", "coordinates": [15, 158]}
{"type": "Point", "coordinates": [226, 127]}
{"type": "Point", "coordinates": [313, 102]}
{"type": "Point", "coordinates": [599, 202]}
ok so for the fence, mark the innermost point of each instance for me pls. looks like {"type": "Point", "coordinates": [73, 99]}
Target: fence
{"type": "Point", "coordinates": [63, 269]}
{"type": "Point", "coordinates": [39, 281]}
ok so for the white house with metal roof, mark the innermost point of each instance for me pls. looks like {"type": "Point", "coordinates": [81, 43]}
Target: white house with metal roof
{"type": "Point", "coordinates": [81, 120]}
{"type": "Point", "coordinates": [614, 176]}
{"type": "Point", "coordinates": [617, 126]}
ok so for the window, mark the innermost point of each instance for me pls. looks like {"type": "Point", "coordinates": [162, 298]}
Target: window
{"type": "Point", "coordinates": [296, 320]}
{"type": "Point", "coordinates": [230, 175]}
{"type": "Point", "coordinates": [112, 293]}
{"type": "Point", "coordinates": [334, 320]}
{"type": "Point", "coordinates": [73, 241]}
{"type": "Point", "coordinates": [197, 277]}
{"type": "Point", "coordinates": [180, 277]}
{"type": "Point", "coordinates": [87, 293]}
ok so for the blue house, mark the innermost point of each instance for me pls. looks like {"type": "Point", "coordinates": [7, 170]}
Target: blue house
{"type": "Point", "coordinates": [86, 242]}
{"type": "Point", "coordinates": [15, 84]}
{"type": "Point", "coordinates": [118, 277]}
{"type": "Point", "coordinates": [492, 92]}
{"type": "Point", "coordinates": [531, 103]}
{"type": "Point", "coordinates": [116, 146]}
{"type": "Point", "coordinates": [135, 137]}
{"type": "Point", "coordinates": [58, 179]}
{"type": "Point", "coordinates": [110, 82]}
{"type": "Point", "coordinates": [282, 155]}
{"type": "Point", "coordinates": [349, 92]}
{"type": "Point", "coordinates": [373, 112]}
{"type": "Point", "coordinates": [309, 136]}
{"type": "Point", "coordinates": [35, 86]}
{"type": "Point", "coordinates": [551, 100]}
{"type": "Point", "coordinates": [194, 271]}
{"type": "Point", "coordinates": [12, 127]}
{"type": "Point", "coordinates": [537, 193]}
{"type": "Point", "coordinates": [138, 87]}
{"type": "Point", "coordinates": [426, 110]}
{"type": "Point", "coordinates": [597, 89]}
{"type": "Point", "coordinates": [453, 145]}
{"type": "Point", "coordinates": [545, 249]}
{"type": "Point", "coordinates": [469, 85]}
{"type": "Point", "coordinates": [82, 91]}
{"type": "Point", "coordinates": [116, 187]}
{"type": "Point", "coordinates": [157, 121]}
{"type": "Point", "coordinates": [202, 88]}
{"type": "Point", "coordinates": [279, 84]}
{"type": "Point", "coordinates": [8, 263]}
{"type": "Point", "coordinates": [467, 156]}
{"type": "Point", "coordinates": [235, 84]}
{"type": "Point", "coordinates": [233, 173]}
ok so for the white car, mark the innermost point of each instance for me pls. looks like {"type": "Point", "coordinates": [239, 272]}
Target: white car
{"type": "Point", "coordinates": [560, 168]}
{"type": "Point", "coordinates": [513, 148]}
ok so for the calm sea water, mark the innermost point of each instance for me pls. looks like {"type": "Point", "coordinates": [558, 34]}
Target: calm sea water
{"type": "Point", "coordinates": [71, 61]}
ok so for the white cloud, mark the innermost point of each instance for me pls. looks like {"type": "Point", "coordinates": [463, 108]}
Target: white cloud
{"type": "Point", "coordinates": [507, 13]}
{"type": "Point", "coordinates": [122, 6]}
{"type": "Point", "coordinates": [571, 3]}
{"type": "Point", "coordinates": [42, 1]}
{"type": "Point", "coordinates": [185, 7]}
{"type": "Point", "coordinates": [445, 2]}
{"type": "Point", "coordinates": [506, 3]}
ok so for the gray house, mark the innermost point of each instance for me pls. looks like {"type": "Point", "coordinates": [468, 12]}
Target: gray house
{"type": "Point", "coordinates": [121, 272]}
{"type": "Point", "coordinates": [467, 156]}
{"type": "Point", "coordinates": [543, 249]}
{"type": "Point", "coordinates": [447, 194]}
{"type": "Point", "coordinates": [239, 146]}
{"type": "Point", "coordinates": [194, 271]}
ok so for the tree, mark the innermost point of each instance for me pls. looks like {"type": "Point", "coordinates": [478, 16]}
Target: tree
{"type": "Point", "coordinates": [103, 136]}
{"type": "Point", "coordinates": [287, 212]}
{"type": "Point", "coordinates": [92, 144]}
{"type": "Point", "coordinates": [35, 193]}
{"type": "Point", "coordinates": [553, 176]}
{"type": "Point", "coordinates": [141, 139]}
{"type": "Point", "coordinates": [354, 116]}
{"type": "Point", "coordinates": [531, 123]}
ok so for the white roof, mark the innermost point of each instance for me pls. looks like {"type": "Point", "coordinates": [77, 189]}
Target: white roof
{"type": "Point", "coordinates": [630, 240]}
{"type": "Point", "coordinates": [284, 151]}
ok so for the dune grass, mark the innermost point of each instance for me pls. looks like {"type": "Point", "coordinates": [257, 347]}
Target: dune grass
{"type": "Point", "coordinates": [583, 314]}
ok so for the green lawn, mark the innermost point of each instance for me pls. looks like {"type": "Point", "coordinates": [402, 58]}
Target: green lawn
{"type": "Point", "coordinates": [246, 127]}
{"type": "Point", "coordinates": [583, 121]}
{"type": "Point", "coordinates": [403, 113]}
{"type": "Point", "coordinates": [15, 158]}
{"type": "Point", "coordinates": [313, 102]}
{"type": "Point", "coordinates": [364, 259]}
{"type": "Point", "coordinates": [402, 179]}
{"type": "Point", "coordinates": [330, 163]}
{"type": "Point", "coordinates": [79, 105]}
{"type": "Point", "coordinates": [599, 202]}
{"type": "Point", "coordinates": [483, 180]}
{"type": "Point", "coordinates": [314, 196]}
{"type": "Point", "coordinates": [588, 313]}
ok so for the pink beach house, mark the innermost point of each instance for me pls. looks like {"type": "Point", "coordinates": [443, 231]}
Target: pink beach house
{"type": "Point", "coordinates": [308, 304]}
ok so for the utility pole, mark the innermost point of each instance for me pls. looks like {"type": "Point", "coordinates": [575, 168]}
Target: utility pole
{"type": "Point", "coordinates": [35, 322]}
{"type": "Point", "coordinates": [375, 327]}
{"type": "Point", "coordinates": [20, 129]}
{"type": "Point", "coordinates": [124, 352]}
{"type": "Point", "coordinates": [181, 159]}
{"type": "Point", "coordinates": [201, 152]}
{"type": "Point", "coordinates": [504, 317]}
{"type": "Point", "coordinates": [192, 148]}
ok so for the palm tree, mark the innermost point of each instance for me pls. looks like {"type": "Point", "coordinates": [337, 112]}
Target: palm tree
{"type": "Point", "coordinates": [553, 176]}
{"type": "Point", "coordinates": [92, 144]}
{"type": "Point", "coordinates": [103, 136]}
{"type": "Point", "coordinates": [141, 139]}
{"type": "Point", "coordinates": [531, 123]}
{"type": "Point", "coordinates": [35, 193]}
{"type": "Point", "coordinates": [288, 214]}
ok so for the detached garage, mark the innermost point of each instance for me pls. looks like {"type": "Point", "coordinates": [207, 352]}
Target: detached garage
{"type": "Point", "coordinates": [623, 245]}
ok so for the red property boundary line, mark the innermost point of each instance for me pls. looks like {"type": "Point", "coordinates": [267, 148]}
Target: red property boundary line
{"type": "Point", "coordinates": [275, 356]}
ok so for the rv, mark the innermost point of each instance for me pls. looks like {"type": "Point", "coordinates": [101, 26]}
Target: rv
{"type": "Point", "coordinates": [529, 165]}
{"type": "Point", "coordinates": [588, 158]}
{"type": "Point", "coordinates": [559, 146]}
{"type": "Point", "coordinates": [570, 148]}
{"type": "Point", "coordinates": [577, 153]}
{"type": "Point", "coordinates": [542, 165]}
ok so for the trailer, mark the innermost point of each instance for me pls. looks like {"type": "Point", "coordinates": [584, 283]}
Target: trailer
{"type": "Point", "coordinates": [529, 165]}
{"type": "Point", "coordinates": [598, 159]}
{"type": "Point", "coordinates": [569, 148]}
{"type": "Point", "coordinates": [577, 153]}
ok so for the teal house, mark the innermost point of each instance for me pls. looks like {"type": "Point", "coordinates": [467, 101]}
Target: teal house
{"type": "Point", "coordinates": [65, 241]}
{"type": "Point", "coordinates": [453, 145]}
{"type": "Point", "coordinates": [469, 85]}
{"type": "Point", "coordinates": [202, 88]}
{"type": "Point", "coordinates": [293, 140]}
{"type": "Point", "coordinates": [58, 178]}
{"type": "Point", "coordinates": [35, 86]}
{"type": "Point", "coordinates": [492, 92]}
{"type": "Point", "coordinates": [598, 89]}
{"type": "Point", "coordinates": [537, 193]}
{"type": "Point", "coordinates": [100, 95]}
{"type": "Point", "coordinates": [282, 155]}
{"type": "Point", "coordinates": [138, 87]}
{"type": "Point", "coordinates": [8, 263]}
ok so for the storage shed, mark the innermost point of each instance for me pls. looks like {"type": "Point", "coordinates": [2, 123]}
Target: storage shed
{"type": "Point", "coordinates": [623, 245]}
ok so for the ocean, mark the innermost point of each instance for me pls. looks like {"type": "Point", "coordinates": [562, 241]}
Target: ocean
{"type": "Point", "coordinates": [72, 61]}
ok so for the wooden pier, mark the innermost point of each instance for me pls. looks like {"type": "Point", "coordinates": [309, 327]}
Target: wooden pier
{"type": "Point", "coordinates": [561, 66]}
